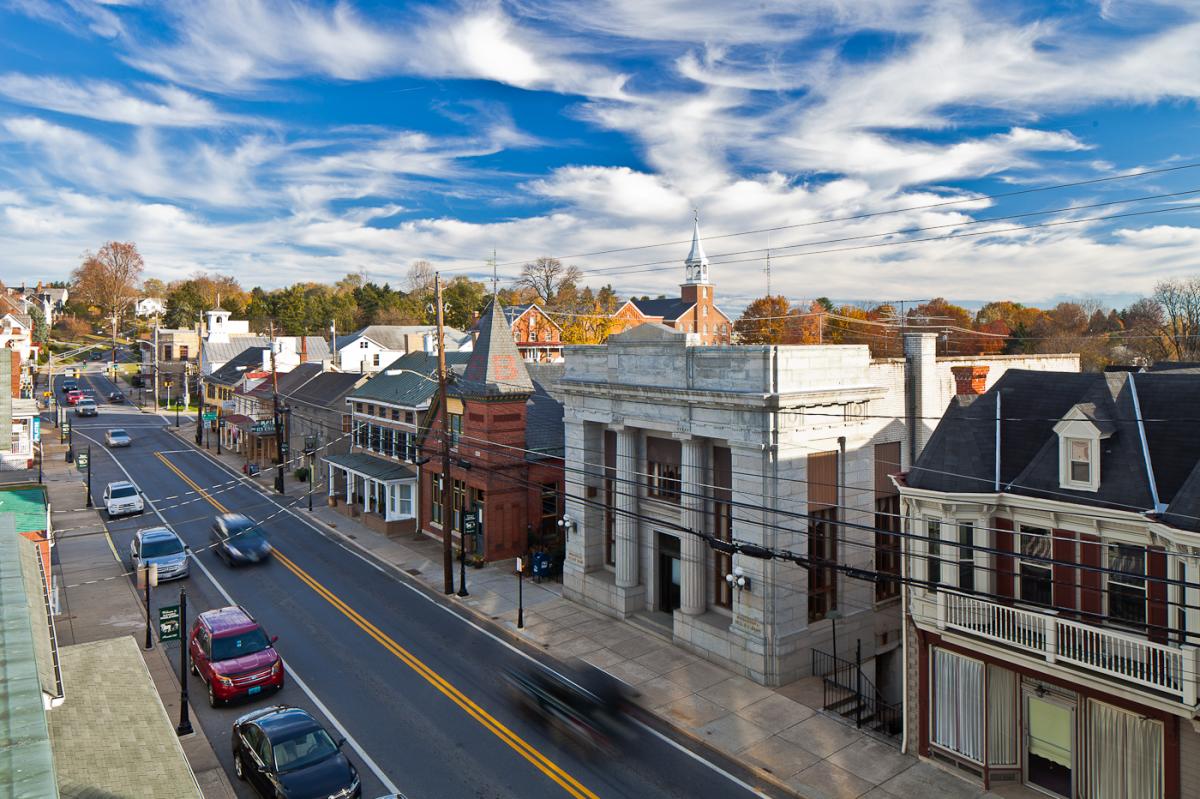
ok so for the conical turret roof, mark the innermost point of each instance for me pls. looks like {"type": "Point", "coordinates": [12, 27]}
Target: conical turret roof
{"type": "Point", "coordinates": [495, 368]}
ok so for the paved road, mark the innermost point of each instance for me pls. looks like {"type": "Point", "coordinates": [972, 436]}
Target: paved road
{"type": "Point", "coordinates": [414, 687]}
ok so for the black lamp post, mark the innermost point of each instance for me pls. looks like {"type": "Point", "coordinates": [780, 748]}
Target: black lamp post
{"type": "Point", "coordinates": [310, 449]}
{"type": "Point", "coordinates": [89, 476]}
{"type": "Point", "coordinates": [185, 724]}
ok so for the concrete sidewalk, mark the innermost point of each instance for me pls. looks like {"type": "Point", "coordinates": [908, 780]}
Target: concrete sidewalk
{"type": "Point", "coordinates": [781, 732]}
{"type": "Point", "coordinates": [97, 602]}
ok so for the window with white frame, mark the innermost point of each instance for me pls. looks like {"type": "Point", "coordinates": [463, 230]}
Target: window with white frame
{"type": "Point", "coordinates": [1127, 583]}
{"type": "Point", "coordinates": [966, 556]}
{"type": "Point", "coordinates": [1034, 570]}
{"type": "Point", "coordinates": [362, 345]}
{"type": "Point", "coordinates": [1079, 460]}
{"type": "Point", "coordinates": [1079, 463]}
{"type": "Point", "coordinates": [933, 544]}
{"type": "Point", "coordinates": [399, 501]}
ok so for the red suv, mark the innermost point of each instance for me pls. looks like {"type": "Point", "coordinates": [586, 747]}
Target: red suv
{"type": "Point", "coordinates": [74, 396]}
{"type": "Point", "coordinates": [232, 653]}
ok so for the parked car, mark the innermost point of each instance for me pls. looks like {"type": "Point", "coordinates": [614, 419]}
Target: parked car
{"type": "Point", "coordinates": [159, 546]}
{"type": "Point", "coordinates": [239, 540]}
{"type": "Point", "coordinates": [122, 498]}
{"type": "Point", "coordinates": [86, 407]}
{"type": "Point", "coordinates": [283, 751]}
{"type": "Point", "coordinates": [116, 397]}
{"type": "Point", "coordinates": [232, 654]}
{"type": "Point", "coordinates": [74, 396]}
{"type": "Point", "coordinates": [117, 437]}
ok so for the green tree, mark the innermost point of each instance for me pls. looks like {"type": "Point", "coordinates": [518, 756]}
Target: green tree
{"type": "Point", "coordinates": [464, 298]}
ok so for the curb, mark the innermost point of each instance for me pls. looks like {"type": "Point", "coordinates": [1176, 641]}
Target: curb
{"type": "Point", "coordinates": [530, 647]}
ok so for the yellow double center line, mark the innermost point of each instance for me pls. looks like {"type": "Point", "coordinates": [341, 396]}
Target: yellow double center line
{"type": "Point", "coordinates": [548, 767]}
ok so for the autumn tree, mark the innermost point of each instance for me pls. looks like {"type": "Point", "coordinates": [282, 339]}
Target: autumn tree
{"type": "Point", "coordinates": [547, 277]}
{"type": "Point", "coordinates": [108, 280]}
{"type": "Point", "coordinates": [765, 321]}
{"type": "Point", "coordinates": [1144, 331]}
{"type": "Point", "coordinates": [1180, 301]}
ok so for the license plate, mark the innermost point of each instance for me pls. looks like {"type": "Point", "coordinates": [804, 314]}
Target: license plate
{"type": "Point", "coordinates": [254, 689]}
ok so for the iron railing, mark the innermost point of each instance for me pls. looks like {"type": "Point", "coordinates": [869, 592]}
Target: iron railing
{"type": "Point", "coordinates": [852, 695]}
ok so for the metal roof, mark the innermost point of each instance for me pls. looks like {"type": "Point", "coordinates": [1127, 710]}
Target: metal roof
{"type": "Point", "coordinates": [373, 467]}
{"type": "Point", "coordinates": [28, 507]}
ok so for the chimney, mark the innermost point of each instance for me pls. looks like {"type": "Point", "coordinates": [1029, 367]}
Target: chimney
{"type": "Point", "coordinates": [303, 349]}
{"type": "Point", "coordinates": [969, 381]}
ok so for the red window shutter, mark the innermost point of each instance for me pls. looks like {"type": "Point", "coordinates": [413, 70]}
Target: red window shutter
{"type": "Point", "coordinates": [1156, 593]}
{"type": "Point", "coordinates": [1004, 563]}
{"type": "Point", "coordinates": [1090, 599]}
{"type": "Point", "coordinates": [1064, 575]}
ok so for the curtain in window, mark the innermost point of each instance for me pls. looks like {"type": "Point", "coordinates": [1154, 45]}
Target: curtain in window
{"type": "Point", "coordinates": [1126, 753]}
{"type": "Point", "coordinates": [958, 704]}
{"type": "Point", "coordinates": [1002, 717]}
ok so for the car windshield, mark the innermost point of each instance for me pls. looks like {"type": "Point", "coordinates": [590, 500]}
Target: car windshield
{"type": "Point", "coordinates": [235, 646]}
{"type": "Point", "coordinates": [160, 548]}
{"type": "Point", "coordinates": [121, 492]}
{"type": "Point", "coordinates": [244, 531]}
{"type": "Point", "coordinates": [118, 433]}
{"type": "Point", "coordinates": [303, 750]}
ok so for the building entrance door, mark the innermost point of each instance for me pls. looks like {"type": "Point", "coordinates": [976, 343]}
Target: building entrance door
{"type": "Point", "coordinates": [1049, 744]}
{"type": "Point", "coordinates": [669, 594]}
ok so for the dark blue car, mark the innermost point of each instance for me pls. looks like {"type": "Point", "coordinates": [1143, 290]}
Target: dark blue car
{"type": "Point", "coordinates": [284, 752]}
{"type": "Point", "coordinates": [239, 540]}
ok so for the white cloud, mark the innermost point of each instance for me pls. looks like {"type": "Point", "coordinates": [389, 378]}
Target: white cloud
{"type": "Point", "coordinates": [160, 106]}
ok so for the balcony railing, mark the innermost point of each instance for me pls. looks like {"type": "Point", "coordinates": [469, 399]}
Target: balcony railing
{"type": "Point", "coordinates": [1170, 670]}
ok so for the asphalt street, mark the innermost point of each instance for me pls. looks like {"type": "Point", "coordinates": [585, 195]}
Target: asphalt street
{"type": "Point", "coordinates": [415, 689]}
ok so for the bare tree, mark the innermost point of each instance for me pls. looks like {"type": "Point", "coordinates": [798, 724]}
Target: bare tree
{"type": "Point", "coordinates": [1180, 299]}
{"type": "Point", "coordinates": [109, 281]}
{"type": "Point", "coordinates": [419, 279]}
{"type": "Point", "coordinates": [547, 277]}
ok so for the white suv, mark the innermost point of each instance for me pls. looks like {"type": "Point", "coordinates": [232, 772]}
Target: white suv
{"type": "Point", "coordinates": [121, 498]}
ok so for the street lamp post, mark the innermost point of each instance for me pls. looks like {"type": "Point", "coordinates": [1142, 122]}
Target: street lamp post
{"type": "Point", "coordinates": [89, 476]}
{"type": "Point", "coordinates": [148, 574]}
{"type": "Point", "coordinates": [310, 449]}
{"type": "Point", "coordinates": [185, 725]}
{"type": "Point", "coordinates": [520, 593]}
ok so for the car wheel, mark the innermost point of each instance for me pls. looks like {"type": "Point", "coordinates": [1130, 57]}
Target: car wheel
{"type": "Point", "coordinates": [195, 670]}
{"type": "Point", "coordinates": [239, 770]}
{"type": "Point", "coordinates": [212, 697]}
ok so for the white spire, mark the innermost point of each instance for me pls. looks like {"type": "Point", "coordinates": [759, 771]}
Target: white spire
{"type": "Point", "coordinates": [696, 265]}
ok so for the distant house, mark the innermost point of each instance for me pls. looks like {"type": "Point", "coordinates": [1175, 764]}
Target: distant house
{"type": "Point", "coordinates": [537, 336]}
{"type": "Point", "coordinates": [16, 329]}
{"type": "Point", "coordinates": [370, 349]}
{"type": "Point", "coordinates": [694, 312]}
{"type": "Point", "coordinates": [149, 306]}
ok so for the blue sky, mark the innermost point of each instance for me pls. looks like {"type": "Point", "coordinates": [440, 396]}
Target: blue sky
{"type": "Point", "coordinates": [290, 140]}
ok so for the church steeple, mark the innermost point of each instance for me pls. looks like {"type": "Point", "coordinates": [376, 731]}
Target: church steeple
{"type": "Point", "coordinates": [696, 266]}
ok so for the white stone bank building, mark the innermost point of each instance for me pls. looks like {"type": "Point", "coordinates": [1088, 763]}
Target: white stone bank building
{"type": "Point", "coordinates": [784, 447]}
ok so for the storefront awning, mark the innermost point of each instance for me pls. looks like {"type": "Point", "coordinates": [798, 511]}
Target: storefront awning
{"type": "Point", "coordinates": [373, 467]}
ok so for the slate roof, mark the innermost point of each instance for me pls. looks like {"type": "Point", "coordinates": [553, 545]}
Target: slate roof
{"type": "Point", "coordinates": [371, 466]}
{"type": "Point", "coordinates": [404, 388]}
{"type": "Point", "coordinates": [244, 361]}
{"type": "Point", "coordinates": [960, 455]}
{"type": "Point", "coordinates": [392, 336]}
{"type": "Point", "coordinates": [495, 368]}
{"type": "Point", "coordinates": [288, 381]}
{"type": "Point", "coordinates": [543, 423]}
{"type": "Point", "coordinates": [226, 351]}
{"type": "Point", "coordinates": [327, 390]}
{"type": "Point", "coordinates": [669, 308]}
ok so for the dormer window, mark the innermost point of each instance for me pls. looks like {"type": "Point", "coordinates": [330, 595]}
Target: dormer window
{"type": "Point", "coordinates": [1079, 460]}
{"type": "Point", "coordinates": [1080, 434]}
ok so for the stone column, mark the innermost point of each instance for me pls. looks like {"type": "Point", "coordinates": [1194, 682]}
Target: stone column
{"type": "Point", "coordinates": [627, 503]}
{"type": "Point", "coordinates": [692, 548]}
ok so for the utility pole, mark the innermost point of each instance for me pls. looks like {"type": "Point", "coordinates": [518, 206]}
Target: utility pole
{"type": "Point", "coordinates": [156, 364]}
{"type": "Point", "coordinates": [276, 416]}
{"type": "Point", "coordinates": [199, 384]}
{"type": "Point", "coordinates": [447, 489]}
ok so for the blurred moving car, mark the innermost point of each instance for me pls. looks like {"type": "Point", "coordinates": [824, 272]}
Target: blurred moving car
{"type": "Point", "coordinates": [239, 540]}
{"type": "Point", "coordinates": [159, 546]}
{"type": "Point", "coordinates": [284, 752]}
{"type": "Point", "coordinates": [584, 704]}
{"type": "Point", "coordinates": [86, 407]}
{"type": "Point", "coordinates": [232, 654]}
{"type": "Point", "coordinates": [121, 498]}
{"type": "Point", "coordinates": [117, 437]}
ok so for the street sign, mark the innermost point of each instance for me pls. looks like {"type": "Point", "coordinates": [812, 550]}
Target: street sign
{"type": "Point", "coordinates": [285, 448]}
{"type": "Point", "coordinates": [210, 416]}
{"type": "Point", "coordinates": [81, 460]}
{"type": "Point", "coordinates": [37, 429]}
{"type": "Point", "coordinates": [66, 427]}
{"type": "Point", "coordinates": [470, 523]}
{"type": "Point", "coordinates": [168, 623]}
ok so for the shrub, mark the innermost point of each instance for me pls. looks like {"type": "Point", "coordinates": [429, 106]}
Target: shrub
{"type": "Point", "coordinates": [301, 474]}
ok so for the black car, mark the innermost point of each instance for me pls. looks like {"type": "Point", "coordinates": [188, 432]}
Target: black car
{"type": "Point", "coordinates": [116, 397]}
{"type": "Point", "coordinates": [137, 381]}
{"type": "Point", "coordinates": [69, 385]}
{"type": "Point", "coordinates": [284, 752]}
{"type": "Point", "coordinates": [239, 540]}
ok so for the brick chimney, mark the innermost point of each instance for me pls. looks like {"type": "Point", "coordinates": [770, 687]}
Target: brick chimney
{"type": "Point", "coordinates": [969, 380]}
{"type": "Point", "coordinates": [304, 349]}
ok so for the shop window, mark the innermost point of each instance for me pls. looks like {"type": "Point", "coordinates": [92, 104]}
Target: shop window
{"type": "Point", "coordinates": [458, 504]}
{"type": "Point", "coordinates": [958, 709]}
